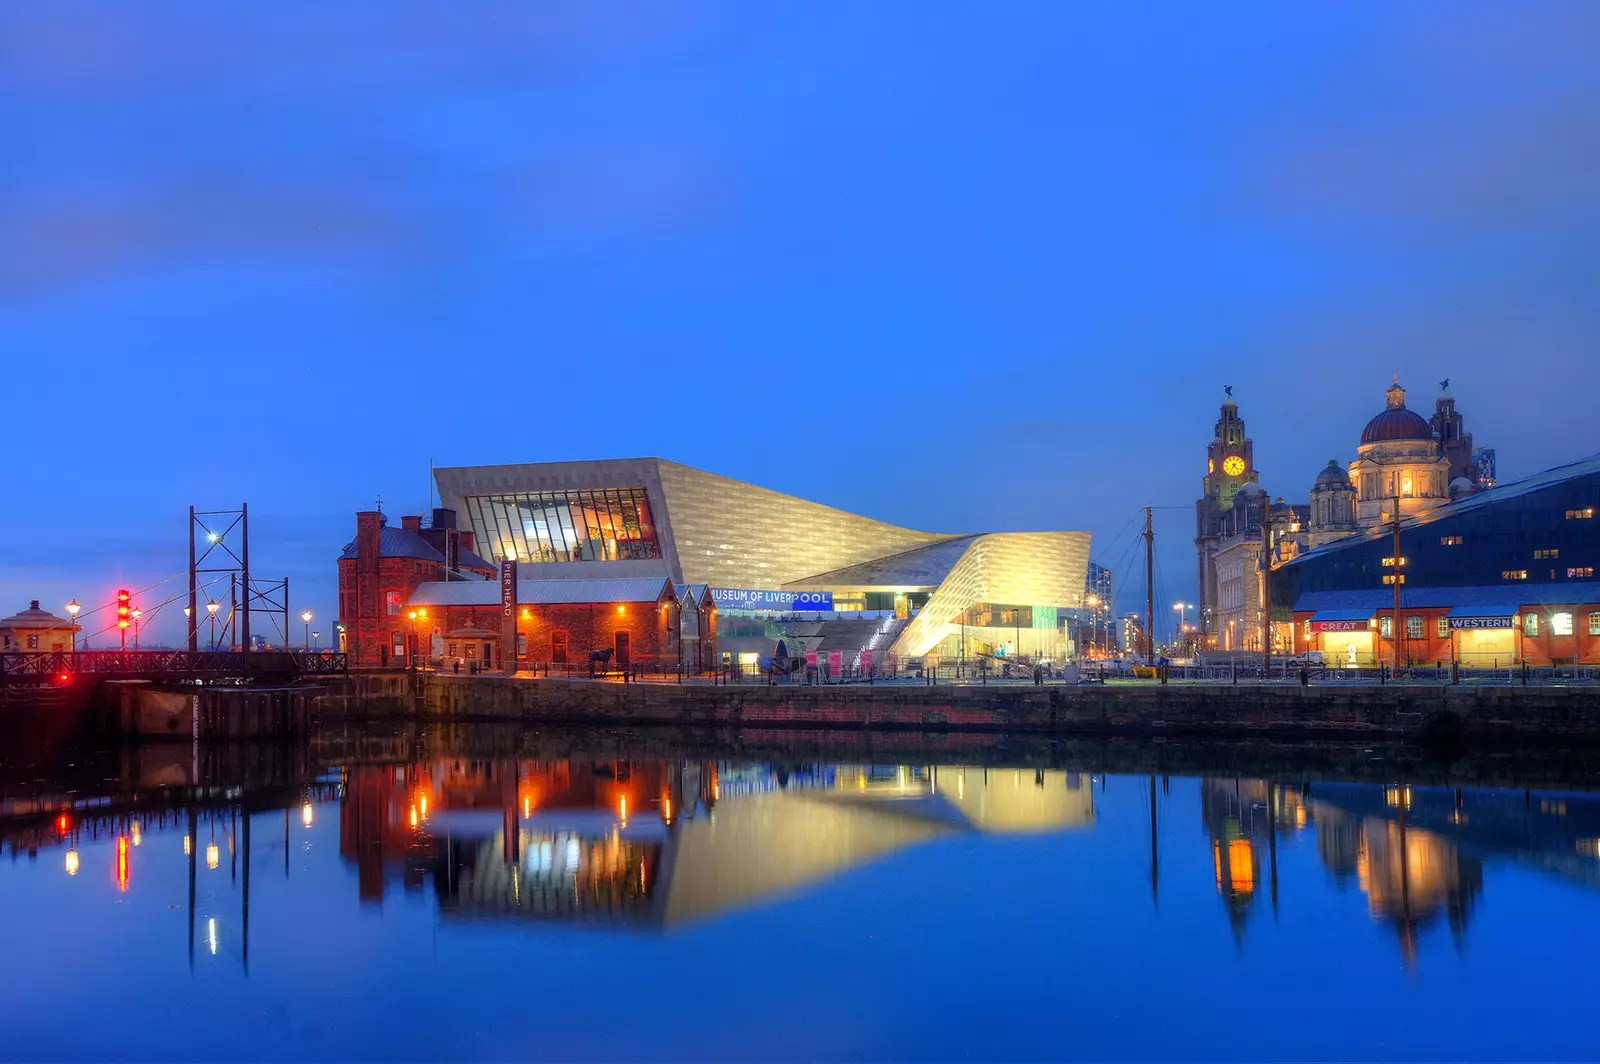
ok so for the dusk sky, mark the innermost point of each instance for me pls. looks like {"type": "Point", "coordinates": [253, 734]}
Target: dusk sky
{"type": "Point", "coordinates": [962, 267]}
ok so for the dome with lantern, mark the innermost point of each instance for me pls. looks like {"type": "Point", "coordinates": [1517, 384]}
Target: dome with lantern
{"type": "Point", "coordinates": [1396, 422]}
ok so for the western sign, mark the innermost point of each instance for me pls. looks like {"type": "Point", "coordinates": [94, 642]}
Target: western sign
{"type": "Point", "coordinates": [1459, 623]}
{"type": "Point", "coordinates": [1340, 626]}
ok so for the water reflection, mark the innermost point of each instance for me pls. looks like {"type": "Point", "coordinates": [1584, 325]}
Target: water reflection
{"type": "Point", "coordinates": [661, 844]}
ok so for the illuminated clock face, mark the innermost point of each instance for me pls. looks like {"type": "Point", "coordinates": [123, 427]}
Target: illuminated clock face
{"type": "Point", "coordinates": [1233, 465]}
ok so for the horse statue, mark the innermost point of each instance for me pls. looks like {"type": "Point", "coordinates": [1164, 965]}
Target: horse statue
{"type": "Point", "coordinates": [602, 657]}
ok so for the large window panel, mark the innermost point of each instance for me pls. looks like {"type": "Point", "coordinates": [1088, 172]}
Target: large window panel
{"type": "Point", "coordinates": [607, 525]}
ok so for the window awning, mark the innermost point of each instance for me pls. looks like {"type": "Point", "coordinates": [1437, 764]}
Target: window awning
{"type": "Point", "coordinates": [1483, 611]}
{"type": "Point", "coordinates": [1342, 615]}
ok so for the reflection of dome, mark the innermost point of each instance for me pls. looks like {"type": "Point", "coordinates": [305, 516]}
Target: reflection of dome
{"type": "Point", "coordinates": [1396, 423]}
{"type": "Point", "coordinates": [1333, 478]}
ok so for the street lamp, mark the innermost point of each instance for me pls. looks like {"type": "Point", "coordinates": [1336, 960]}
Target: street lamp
{"type": "Point", "coordinates": [72, 611]}
{"type": "Point", "coordinates": [306, 616]}
{"type": "Point", "coordinates": [212, 608]}
{"type": "Point", "coordinates": [417, 617]}
{"type": "Point", "coordinates": [136, 615]}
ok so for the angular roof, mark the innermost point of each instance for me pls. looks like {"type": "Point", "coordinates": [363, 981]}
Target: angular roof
{"type": "Point", "coordinates": [918, 568]}
{"type": "Point", "coordinates": [541, 592]}
{"type": "Point", "coordinates": [403, 543]}
{"type": "Point", "coordinates": [1488, 497]}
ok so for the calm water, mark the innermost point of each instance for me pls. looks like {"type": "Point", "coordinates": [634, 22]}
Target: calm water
{"type": "Point", "coordinates": [697, 908]}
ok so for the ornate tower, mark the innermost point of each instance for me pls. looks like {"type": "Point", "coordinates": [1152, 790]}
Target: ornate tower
{"type": "Point", "coordinates": [1455, 442]}
{"type": "Point", "coordinates": [1230, 465]}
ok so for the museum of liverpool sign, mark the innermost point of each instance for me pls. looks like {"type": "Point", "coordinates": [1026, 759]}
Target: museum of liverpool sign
{"type": "Point", "coordinates": [740, 598]}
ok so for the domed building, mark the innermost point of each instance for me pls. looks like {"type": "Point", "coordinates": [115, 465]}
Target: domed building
{"type": "Point", "coordinates": [1398, 457]}
{"type": "Point", "coordinates": [1333, 506]}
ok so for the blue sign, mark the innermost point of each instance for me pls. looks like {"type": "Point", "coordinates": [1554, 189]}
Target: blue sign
{"type": "Point", "coordinates": [737, 598]}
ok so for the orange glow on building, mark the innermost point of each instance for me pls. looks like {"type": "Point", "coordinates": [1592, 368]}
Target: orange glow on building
{"type": "Point", "coordinates": [1241, 866]}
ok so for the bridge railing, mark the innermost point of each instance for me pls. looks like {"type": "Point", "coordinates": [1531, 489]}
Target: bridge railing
{"type": "Point", "coordinates": [24, 667]}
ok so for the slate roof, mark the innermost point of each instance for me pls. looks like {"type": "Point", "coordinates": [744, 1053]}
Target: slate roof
{"type": "Point", "coordinates": [540, 592]}
{"type": "Point", "coordinates": [1509, 597]}
{"type": "Point", "coordinates": [401, 543]}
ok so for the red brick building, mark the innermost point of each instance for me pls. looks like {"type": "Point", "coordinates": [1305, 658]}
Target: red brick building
{"type": "Point", "coordinates": [1486, 627]}
{"type": "Point", "coordinates": [381, 569]}
{"type": "Point", "coordinates": [640, 620]}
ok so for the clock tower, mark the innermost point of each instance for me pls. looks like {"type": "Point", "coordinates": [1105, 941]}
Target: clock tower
{"type": "Point", "coordinates": [1230, 459]}
{"type": "Point", "coordinates": [1230, 466]}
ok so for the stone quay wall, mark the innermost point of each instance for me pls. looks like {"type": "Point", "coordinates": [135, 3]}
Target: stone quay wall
{"type": "Point", "coordinates": [1288, 711]}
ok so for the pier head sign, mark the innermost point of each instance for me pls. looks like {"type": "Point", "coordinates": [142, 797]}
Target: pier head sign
{"type": "Point", "coordinates": [739, 598]}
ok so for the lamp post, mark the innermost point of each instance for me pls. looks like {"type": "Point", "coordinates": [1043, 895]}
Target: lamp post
{"type": "Point", "coordinates": [1183, 617]}
{"type": "Point", "coordinates": [306, 617]}
{"type": "Point", "coordinates": [72, 611]}
{"type": "Point", "coordinates": [1093, 602]}
{"type": "Point", "coordinates": [417, 617]}
{"type": "Point", "coordinates": [314, 637]}
{"type": "Point", "coordinates": [212, 608]}
{"type": "Point", "coordinates": [136, 615]}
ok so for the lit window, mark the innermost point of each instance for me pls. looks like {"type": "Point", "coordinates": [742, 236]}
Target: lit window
{"type": "Point", "coordinates": [1444, 627]}
{"type": "Point", "coordinates": [1582, 572]}
{"type": "Point", "coordinates": [391, 603]}
{"type": "Point", "coordinates": [1449, 541]}
{"type": "Point", "coordinates": [1386, 627]}
{"type": "Point", "coordinates": [1541, 555]}
{"type": "Point", "coordinates": [1513, 574]}
{"type": "Point", "coordinates": [1308, 626]}
{"type": "Point", "coordinates": [1530, 625]}
{"type": "Point", "coordinates": [1594, 623]}
{"type": "Point", "coordinates": [1413, 627]}
{"type": "Point", "coordinates": [1561, 624]}
{"type": "Point", "coordinates": [1391, 578]}
{"type": "Point", "coordinates": [1388, 563]}
{"type": "Point", "coordinates": [1580, 515]}
{"type": "Point", "coordinates": [399, 646]}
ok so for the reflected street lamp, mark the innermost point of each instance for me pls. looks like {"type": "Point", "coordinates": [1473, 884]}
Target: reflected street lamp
{"type": "Point", "coordinates": [306, 616]}
{"type": "Point", "coordinates": [212, 608]}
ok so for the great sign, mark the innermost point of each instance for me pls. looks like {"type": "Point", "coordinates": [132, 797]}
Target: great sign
{"type": "Point", "coordinates": [1340, 626]}
{"type": "Point", "coordinates": [738, 598]}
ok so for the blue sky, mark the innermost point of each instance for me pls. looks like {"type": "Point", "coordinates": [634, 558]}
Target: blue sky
{"type": "Point", "coordinates": [957, 266]}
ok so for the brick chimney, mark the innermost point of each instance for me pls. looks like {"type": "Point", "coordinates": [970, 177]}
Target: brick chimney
{"type": "Point", "coordinates": [369, 523]}
{"type": "Point", "coordinates": [411, 523]}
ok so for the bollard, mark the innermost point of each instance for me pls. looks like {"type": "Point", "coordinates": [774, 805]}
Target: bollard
{"type": "Point", "coordinates": [1305, 676]}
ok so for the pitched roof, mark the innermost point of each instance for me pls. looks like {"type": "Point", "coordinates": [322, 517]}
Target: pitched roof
{"type": "Point", "coordinates": [1510, 597]}
{"type": "Point", "coordinates": [403, 543]}
{"type": "Point", "coordinates": [541, 592]}
{"type": "Point", "coordinates": [34, 617]}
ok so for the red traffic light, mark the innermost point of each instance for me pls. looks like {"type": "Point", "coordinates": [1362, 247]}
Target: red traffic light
{"type": "Point", "coordinates": [124, 608]}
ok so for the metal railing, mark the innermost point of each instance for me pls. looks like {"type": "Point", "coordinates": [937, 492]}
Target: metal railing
{"type": "Point", "coordinates": [57, 666]}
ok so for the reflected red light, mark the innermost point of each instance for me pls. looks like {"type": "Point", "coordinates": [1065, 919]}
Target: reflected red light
{"type": "Point", "coordinates": [63, 823]}
{"type": "Point", "coordinates": [65, 677]}
{"type": "Point", "coordinates": [122, 862]}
